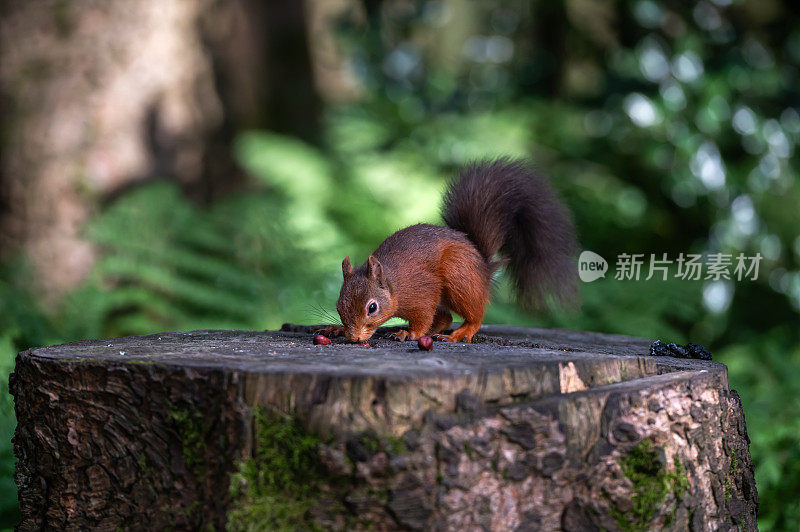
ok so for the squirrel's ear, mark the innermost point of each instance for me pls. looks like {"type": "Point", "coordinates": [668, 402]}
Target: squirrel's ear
{"type": "Point", "coordinates": [374, 269]}
{"type": "Point", "coordinates": [347, 270]}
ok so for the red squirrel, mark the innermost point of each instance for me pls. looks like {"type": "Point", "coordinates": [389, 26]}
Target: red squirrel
{"type": "Point", "coordinates": [423, 272]}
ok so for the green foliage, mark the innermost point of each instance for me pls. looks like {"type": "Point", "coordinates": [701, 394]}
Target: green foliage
{"type": "Point", "coordinates": [765, 371]}
{"type": "Point", "coordinates": [276, 489]}
{"type": "Point", "coordinates": [22, 324]}
{"type": "Point", "coordinates": [652, 482]}
{"type": "Point", "coordinates": [169, 265]}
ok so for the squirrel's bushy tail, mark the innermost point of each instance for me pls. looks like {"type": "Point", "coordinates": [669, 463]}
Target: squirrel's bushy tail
{"type": "Point", "coordinates": [504, 207]}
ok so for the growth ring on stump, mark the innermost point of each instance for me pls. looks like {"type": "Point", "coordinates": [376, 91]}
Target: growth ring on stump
{"type": "Point", "coordinates": [525, 429]}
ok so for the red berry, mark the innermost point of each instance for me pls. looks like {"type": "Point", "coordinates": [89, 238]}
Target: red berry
{"type": "Point", "coordinates": [425, 343]}
{"type": "Point", "coordinates": [321, 340]}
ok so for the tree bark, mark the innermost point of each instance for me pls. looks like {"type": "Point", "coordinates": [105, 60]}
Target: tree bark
{"type": "Point", "coordinates": [525, 429]}
{"type": "Point", "coordinates": [98, 96]}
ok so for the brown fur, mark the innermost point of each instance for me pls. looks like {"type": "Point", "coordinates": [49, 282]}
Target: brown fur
{"type": "Point", "coordinates": [423, 272]}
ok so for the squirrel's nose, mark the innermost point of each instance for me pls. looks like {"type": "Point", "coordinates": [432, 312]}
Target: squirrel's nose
{"type": "Point", "coordinates": [365, 335]}
{"type": "Point", "coordinates": [356, 336]}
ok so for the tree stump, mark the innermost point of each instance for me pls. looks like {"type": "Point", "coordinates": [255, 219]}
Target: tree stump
{"type": "Point", "coordinates": [524, 429]}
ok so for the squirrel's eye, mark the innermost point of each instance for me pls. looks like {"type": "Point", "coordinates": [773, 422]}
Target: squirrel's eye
{"type": "Point", "coordinates": [372, 308]}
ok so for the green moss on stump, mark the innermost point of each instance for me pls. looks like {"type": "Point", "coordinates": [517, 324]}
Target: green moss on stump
{"type": "Point", "coordinates": [652, 482]}
{"type": "Point", "coordinates": [276, 488]}
{"type": "Point", "coordinates": [284, 486]}
{"type": "Point", "coordinates": [386, 443]}
{"type": "Point", "coordinates": [730, 477]}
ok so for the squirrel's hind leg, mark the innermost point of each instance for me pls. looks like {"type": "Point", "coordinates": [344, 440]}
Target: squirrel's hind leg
{"type": "Point", "coordinates": [466, 290]}
{"type": "Point", "coordinates": [441, 320]}
{"type": "Point", "coordinates": [462, 334]}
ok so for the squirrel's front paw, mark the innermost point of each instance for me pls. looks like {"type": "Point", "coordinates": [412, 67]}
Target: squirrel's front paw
{"type": "Point", "coordinates": [331, 331]}
{"type": "Point", "coordinates": [402, 335]}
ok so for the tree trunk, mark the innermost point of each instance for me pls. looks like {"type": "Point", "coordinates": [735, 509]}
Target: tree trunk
{"type": "Point", "coordinates": [98, 96]}
{"type": "Point", "coordinates": [525, 429]}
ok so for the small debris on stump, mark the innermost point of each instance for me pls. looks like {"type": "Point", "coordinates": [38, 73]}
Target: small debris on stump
{"type": "Point", "coordinates": [425, 343]}
{"type": "Point", "coordinates": [690, 350]}
{"type": "Point", "coordinates": [322, 340]}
